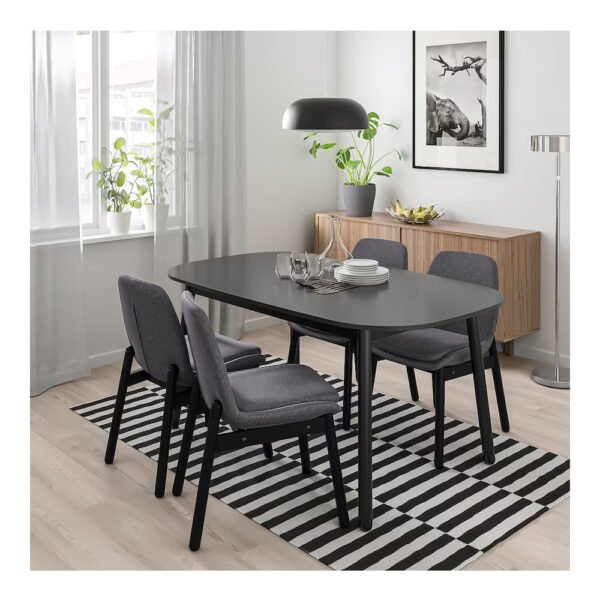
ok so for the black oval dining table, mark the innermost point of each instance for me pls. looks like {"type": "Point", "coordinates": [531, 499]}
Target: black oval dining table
{"type": "Point", "coordinates": [409, 300]}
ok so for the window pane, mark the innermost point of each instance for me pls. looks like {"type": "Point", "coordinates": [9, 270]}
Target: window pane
{"type": "Point", "coordinates": [85, 123]}
{"type": "Point", "coordinates": [132, 87]}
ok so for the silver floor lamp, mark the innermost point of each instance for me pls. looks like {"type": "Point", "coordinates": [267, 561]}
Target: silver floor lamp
{"type": "Point", "coordinates": [555, 376]}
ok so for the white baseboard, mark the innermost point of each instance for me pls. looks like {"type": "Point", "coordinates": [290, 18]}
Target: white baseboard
{"type": "Point", "coordinates": [106, 358]}
{"type": "Point", "coordinates": [261, 322]}
{"type": "Point", "coordinates": [541, 355]}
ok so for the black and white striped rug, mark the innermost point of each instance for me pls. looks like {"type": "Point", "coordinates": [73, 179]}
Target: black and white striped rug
{"type": "Point", "coordinates": [424, 518]}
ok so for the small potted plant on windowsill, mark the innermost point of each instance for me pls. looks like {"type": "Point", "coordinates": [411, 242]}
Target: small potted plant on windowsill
{"type": "Point", "coordinates": [154, 171]}
{"type": "Point", "coordinates": [358, 166]}
{"type": "Point", "coordinates": [113, 180]}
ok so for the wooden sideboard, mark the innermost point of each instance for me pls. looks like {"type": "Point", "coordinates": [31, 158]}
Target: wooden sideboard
{"type": "Point", "coordinates": [516, 251]}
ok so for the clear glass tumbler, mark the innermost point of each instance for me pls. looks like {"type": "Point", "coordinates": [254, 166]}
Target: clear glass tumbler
{"type": "Point", "coordinates": [283, 265]}
{"type": "Point", "coordinates": [314, 266]}
{"type": "Point", "coordinates": [299, 269]}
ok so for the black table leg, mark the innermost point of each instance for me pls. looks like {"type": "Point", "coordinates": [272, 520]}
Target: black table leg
{"type": "Point", "coordinates": [481, 397]}
{"type": "Point", "coordinates": [365, 474]}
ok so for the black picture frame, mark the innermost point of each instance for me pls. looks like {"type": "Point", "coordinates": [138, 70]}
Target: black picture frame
{"type": "Point", "coordinates": [501, 145]}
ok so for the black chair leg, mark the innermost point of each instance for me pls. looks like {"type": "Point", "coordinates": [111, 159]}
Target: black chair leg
{"type": "Point", "coordinates": [210, 446]}
{"type": "Point", "coordinates": [113, 437]}
{"type": "Point", "coordinates": [294, 351]}
{"type": "Point", "coordinates": [347, 408]}
{"type": "Point", "coordinates": [165, 434]}
{"type": "Point", "coordinates": [304, 454]}
{"type": "Point", "coordinates": [176, 418]}
{"type": "Point", "coordinates": [268, 450]}
{"type": "Point", "coordinates": [439, 403]}
{"type": "Point", "coordinates": [184, 451]}
{"type": "Point", "coordinates": [374, 362]}
{"type": "Point", "coordinates": [499, 387]}
{"type": "Point", "coordinates": [336, 472]}
{"type": "Point", "coordinates": [412, 383]}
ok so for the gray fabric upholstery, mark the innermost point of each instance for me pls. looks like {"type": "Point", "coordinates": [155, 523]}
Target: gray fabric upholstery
{"type": "Point", "coordinates": [431, 349]}
{"type": "Point", "coordinates": [237, 355]}
{"type": "Point", "coordinates": [281, 394]}
{"type": "Point", "coordinates": [474, 268]}
{"type": "Point", "coordinates": [427, 349]}
{"type": "Point", "coordinates": [388, 253]}
{"type": "Point", "coordinates": [154, 330]}
{"type": "Point", "coordinates": [258, 397]}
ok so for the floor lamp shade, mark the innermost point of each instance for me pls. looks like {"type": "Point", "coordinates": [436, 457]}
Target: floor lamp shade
{"type": "Point", "coordinates": [325, 114]}
{"type": "Point", "coordinates": [556, 376]}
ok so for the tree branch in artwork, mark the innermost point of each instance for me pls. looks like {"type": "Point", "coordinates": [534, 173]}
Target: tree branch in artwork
{"type": "Point", "coordinates": [469, 62]}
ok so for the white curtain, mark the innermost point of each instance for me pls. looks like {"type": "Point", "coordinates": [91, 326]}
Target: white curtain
{"type": "Point", "coordinates": [58, 351]}
{"type": "Point", "coordinates": [201, 75]}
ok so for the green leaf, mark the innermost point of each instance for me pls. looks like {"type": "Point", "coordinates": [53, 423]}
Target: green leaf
{"type": "Point", "coordinates": [146, 111]}
{"type": "Point", "coordinates": [135, 203]}
{"type": "Point", "coordinates": [100, 182]}
{"type": "Point", "coordinates": [313, 149]}
{"type": "Point", "coordinates": [119, 143]}
{"type": "Point", "coordinates": [121, 179]}
{"type": "Point", "coordinates": [96, 164]}
{"type": "Point", "coordinates": [391, 125]}
{"type": "Point", "coordinates": [152, 122]}
{"type": "Point", "coordinates": [353, 164]}
{"type": "Point", "coordinates": [383, 174]}
{"type": "Point", "coordinates": [387, 170]}
{"type": "Point", "coordinates": [327, 146]}
{"type": "Point", "coordinates": [124, 159]}
{"type": "Point", "coordinates": [308, 136]}
{"type": "Point", "coordinates": [123, 196]}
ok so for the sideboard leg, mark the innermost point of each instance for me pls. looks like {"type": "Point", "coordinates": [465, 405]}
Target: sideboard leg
{"type": "Point", "coordinates": [508, 348]}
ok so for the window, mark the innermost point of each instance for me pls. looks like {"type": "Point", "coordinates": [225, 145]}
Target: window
{"type": "Point", "coordinates": [116, 77]}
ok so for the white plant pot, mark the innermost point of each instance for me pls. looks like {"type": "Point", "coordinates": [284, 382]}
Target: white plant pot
{"type": "Point", "coordinates": [147, 211]}
{"type": "Point", "coordinates": [119, 222]}
{"type": "Point", "coordinates": [155, 215]}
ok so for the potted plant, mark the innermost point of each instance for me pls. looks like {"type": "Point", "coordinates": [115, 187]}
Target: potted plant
{"type": "Point", "coordinates": [154, 171]}
{"type": "Point", "coordinates": [358, 166]}
{"type": "Point", "coordinates": [117, 187]}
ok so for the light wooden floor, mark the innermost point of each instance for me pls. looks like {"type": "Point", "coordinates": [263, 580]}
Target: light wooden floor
{"type": "Point", "coordinates": [86, 515]}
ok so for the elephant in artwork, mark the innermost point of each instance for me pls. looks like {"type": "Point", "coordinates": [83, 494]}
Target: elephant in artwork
{"type": "Point", "coordinates": [444, 115]}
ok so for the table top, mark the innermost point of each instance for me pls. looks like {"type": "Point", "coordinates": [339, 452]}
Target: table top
{"type": "Point", "coordinates": [409, 300]}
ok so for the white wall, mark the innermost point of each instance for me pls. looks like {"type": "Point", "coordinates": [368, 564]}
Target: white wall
{"type": "Point", "coordinates": [375, 68]}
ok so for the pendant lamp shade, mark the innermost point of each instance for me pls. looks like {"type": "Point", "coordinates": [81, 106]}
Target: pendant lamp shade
{"type": "Point", "coordinates": [325, 114]}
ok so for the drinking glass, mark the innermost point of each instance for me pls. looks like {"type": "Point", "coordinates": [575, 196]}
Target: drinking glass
{"type": "Point", "coordinates": [314, 266]}
{"type": "Point", "coordinates": [299, 263]}
{"type": "Point", "coordinates": [283, 265]}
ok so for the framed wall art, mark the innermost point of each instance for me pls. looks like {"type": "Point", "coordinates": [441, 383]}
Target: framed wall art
{"type": "Point", "coordinates": [458, 100]}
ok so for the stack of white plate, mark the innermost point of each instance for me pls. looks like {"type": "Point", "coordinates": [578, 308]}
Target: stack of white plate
{"type": "Point", "coordinates": [361, 271]}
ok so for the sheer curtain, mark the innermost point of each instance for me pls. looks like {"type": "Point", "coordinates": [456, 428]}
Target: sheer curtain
{"type": "Point", "coordinates": [58, 350]}
{"type": "Point", "coordinates": [201, 76]}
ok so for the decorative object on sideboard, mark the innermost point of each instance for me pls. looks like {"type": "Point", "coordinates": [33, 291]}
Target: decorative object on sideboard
{"type": "Point", "coordinates": [358, 165]}
{"type": "Point", "coordinates": [420, 215]}
{"type": "Point", "coordinates": [458, 100]}
{"type": "Point", "coordinates": [556, 376]}
{"type": "Point", "coordinates": [334, 254]}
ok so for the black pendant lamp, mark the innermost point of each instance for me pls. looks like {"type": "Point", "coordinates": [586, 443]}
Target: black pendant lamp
{"type": "Point", "coordinates": [325, 114]}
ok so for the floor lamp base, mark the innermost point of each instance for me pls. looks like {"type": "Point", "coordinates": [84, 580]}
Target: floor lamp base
{"type": "Point", "coordinates": [547, 376]}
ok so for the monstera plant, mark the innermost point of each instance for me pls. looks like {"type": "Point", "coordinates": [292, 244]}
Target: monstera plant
{"type": "Point", "coordinates": [358, 164]}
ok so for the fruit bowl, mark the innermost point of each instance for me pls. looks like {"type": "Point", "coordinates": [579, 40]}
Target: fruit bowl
{"type": "Point", "coordinates": [420, 215]}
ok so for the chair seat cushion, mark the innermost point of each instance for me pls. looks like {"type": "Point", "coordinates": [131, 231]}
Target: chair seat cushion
{"type": "Point", "coordinates": [237, 355]}
{"type": "Point", "coordinates": [281, 394]}
{"type": "Point", "coordinates": [426, 348]}
{"type": "Point", "coordinates": [325, 336]}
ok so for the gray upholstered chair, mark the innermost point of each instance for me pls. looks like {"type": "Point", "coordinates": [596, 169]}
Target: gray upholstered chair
{"type": "Point", "coordinates": [261, 406]}
{"type": "Point", "coordinates": [157, 342]}
{"type": "Point", "coordinates": [444, 351]}
{"type": "Point", "coordinates": [389, 254]}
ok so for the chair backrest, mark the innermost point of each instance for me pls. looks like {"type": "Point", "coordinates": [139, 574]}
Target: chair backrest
{"type": "Point", "coordinates": [474, 268]}
{"type": "Point", "coordinates": [210, 367]}
{"type": "Point", "coordinates": [154, 330]}
{"type": "Point", "coordinates": [388, 253]}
